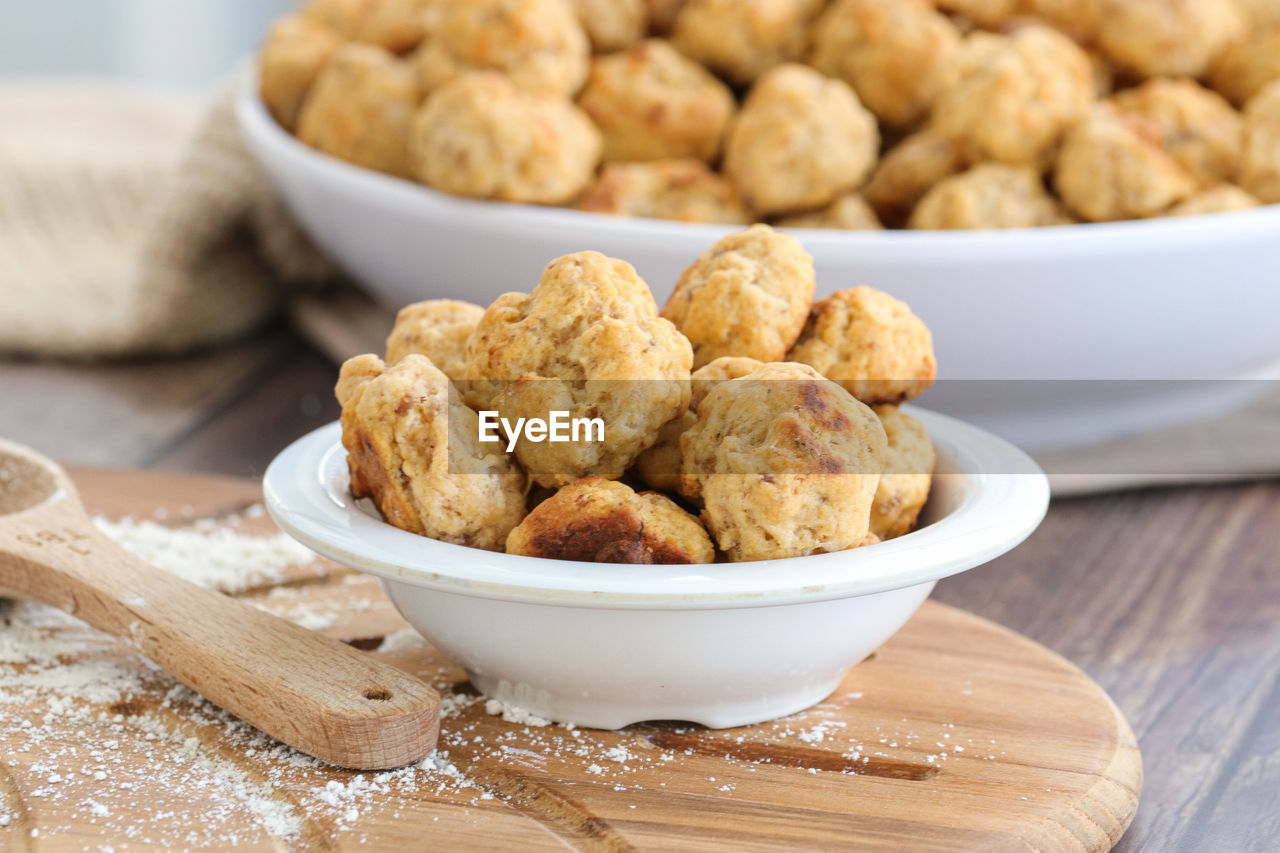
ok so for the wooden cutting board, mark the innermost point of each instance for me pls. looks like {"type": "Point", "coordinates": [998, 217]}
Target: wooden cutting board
{"type": "Point", "coordinates": [956, 735]}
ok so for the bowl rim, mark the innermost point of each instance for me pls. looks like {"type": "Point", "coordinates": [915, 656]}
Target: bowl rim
{"type": "Point", "coordinates": [1004, 497]}
{"type": "Point", "coordinates": [267, 140]}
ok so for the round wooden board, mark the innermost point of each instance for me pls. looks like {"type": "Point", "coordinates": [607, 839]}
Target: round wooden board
{"type": "Point", "coordinates": [956, 735]}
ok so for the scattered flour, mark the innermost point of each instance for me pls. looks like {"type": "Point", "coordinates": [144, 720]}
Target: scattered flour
{"type": "Point", "coordinates": [618, 753]}
{"type": "Point", "coordinates": [819, 733]}
{"type": "Point", "coordinates": [209, 555]}
{"type": "Point", "coordinates": [310, 618]}
{"type": "Point", "coordinates": [513, 714]}
{"type": "Point", "coordinates": [44, 662]}
{"type": "Point", "coordinates": [203, 767]}
{"type": "Point", "coordinates": [297, 604]}
{"type": "Point", "coordinates": [405, 638]}
{"type": "Point", "coordinates": [63, 685]}
{"type": "Point", "coordinates": [453, 704]}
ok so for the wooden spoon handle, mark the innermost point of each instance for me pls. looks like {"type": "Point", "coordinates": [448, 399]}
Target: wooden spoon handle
{"type": "Point", "coordinates": [312, 692]}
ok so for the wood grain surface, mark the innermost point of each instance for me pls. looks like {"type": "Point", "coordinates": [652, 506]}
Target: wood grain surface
{"type": "Point", "coordinates": [1171, 600]}
{"type": "Point", "coordinates": [229, 411]}
{"type": "Point", "coordinates": [957, 735]}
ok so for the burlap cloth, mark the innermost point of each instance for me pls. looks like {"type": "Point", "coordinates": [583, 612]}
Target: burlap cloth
{"type": "Point", "coordinates": [137, 224]}
{"type": "Point", "coordinates": [134, 223]}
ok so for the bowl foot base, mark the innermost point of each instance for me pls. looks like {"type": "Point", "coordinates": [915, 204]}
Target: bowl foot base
{"type": "Point", "coordinates": [589, 712]}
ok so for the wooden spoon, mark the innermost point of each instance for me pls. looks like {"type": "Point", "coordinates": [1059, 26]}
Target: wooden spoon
{"type": "Point", "coordinates": [314, 693]}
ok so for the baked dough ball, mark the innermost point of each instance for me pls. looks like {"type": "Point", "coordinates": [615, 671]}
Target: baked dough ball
{"type": "Point", "coordinates": [295, 50]}
{"type": "Point", "coordinates": [395, 25]}
{"type": "Point", "coordinates": [1112, 167]}
{"type": "Point", "coordinates": [414, 448]}
{"type": "Point", "coordinates": [438, 329]}
{"type": "Point", "coordinates": [1167, 38]}
{"type": "Point", "coordinates": [908, 171]}
{"type": "Point", "coordinates": [986, 13]}
{"type": "Point", "coordinates": [908, 475]}
{"type": "Point", "coordinates": [1077, 18]}
{"type": "Point", "coordinates": [1261, 13]}
{"type": "Point", "coordinates": [990, 195]}
{"type": "Point", "coordinates": [786, 464]}
{"type": "Point", "coordinates": [684, 190]}
{"type": "Point", "coordinates": [592, 324]}
{"type": "Point", "coordinates": [613, 24]}
{"type": "Point", "coordinates": [1223, 198]}
{"type": "Point", "coordinates": [1245, 66]}
{"type": "Point", "coordinates": [713, 373]}
{"type": "Point", "coordinates": [892, 54]}
{"type": "Point", "coordinates": [849, 212]}
{"type": "Point", "coordinates": [662, 14]}
{"type": "Point", "coordinates": [360, 109]}
{"type": "Point", "coordinates": [538, 44]}
{"type": "Point", "coordinates": [748, 295]}
{"type": "Point", "coordinates": [1197, 127]}
{"type": "Point", "coordinates": [1011, 97]}
{"type": "Point", "coordinates": [480, 136]}
{"type": "Point", "coordinates": [1104, 76]}
{"type": "Point", "coordinates": [659, 466]}
{"type": "Point", "coordinates": [601, 521]}
{"type": "Point", "coordinates": [398, 25]}
{"type": "Point", "coordinates": [871, 344]}
{"type": "Point", "coordinates": [741, 39]}
{"type": "Point", "coordinates": [348, 17]}
{"type": "Point", "coordinates": [1260, 170]}
{"type": "Point", "coordinates": [651, 103]}
{"type": "Point", "coordinates": [799, 142]}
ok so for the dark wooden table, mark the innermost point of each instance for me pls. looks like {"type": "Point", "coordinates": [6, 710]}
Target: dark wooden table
{"type": "Point", "coordinates": [1169, 598]}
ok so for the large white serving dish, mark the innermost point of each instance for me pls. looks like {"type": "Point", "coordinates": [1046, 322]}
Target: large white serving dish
{"type": "Point", "coordinates": [1186, 298]}
{"type": "Point", "coordinates": [606, 645]}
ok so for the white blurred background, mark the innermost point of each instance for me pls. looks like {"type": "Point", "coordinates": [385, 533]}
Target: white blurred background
{"type": "Point", "coordinates": [182, 44]}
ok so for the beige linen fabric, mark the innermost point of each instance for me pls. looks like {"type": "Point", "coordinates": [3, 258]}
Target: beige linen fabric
{"type": "Point", "coordinates": [133, 223]}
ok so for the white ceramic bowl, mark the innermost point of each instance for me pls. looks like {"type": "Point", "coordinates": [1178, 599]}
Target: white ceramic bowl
{"type": "Point", "coordinates": [1188, 298]}
{"type": "Point", "coordinates": [608, 645]}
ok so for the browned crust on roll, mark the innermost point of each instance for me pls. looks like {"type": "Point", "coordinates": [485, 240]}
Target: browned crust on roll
{"type": "Point", "coordinates": [369, 479]}
{"type": "Point", "coordinates": [619, 537]}
{"type": "Point", "coordinates": [599, 521]}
